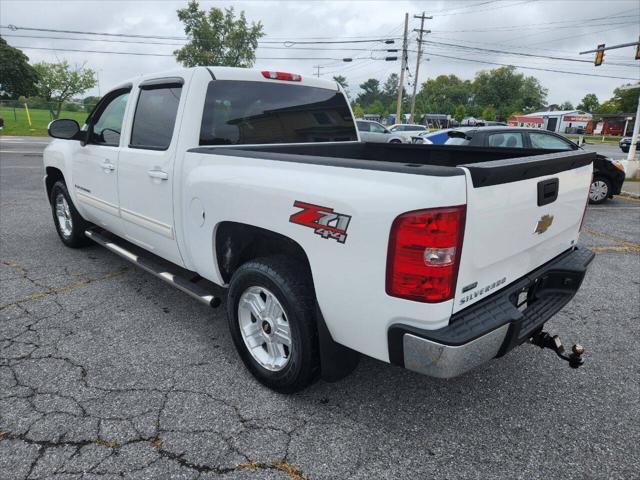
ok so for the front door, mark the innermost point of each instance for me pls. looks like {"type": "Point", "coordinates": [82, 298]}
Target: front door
{"type": "Point", "coordinates": [95, 165]}
{"type": "Point", "coordinates": [145, 174]}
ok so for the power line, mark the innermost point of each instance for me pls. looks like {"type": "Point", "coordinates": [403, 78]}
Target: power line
{"type": "Point", "coordinates": [572, 22]}
{"type": "Point", "coordinates": [528, 68]}
{"type": "Point", "coordinates": [484, 9]}
{"type": "Point", "coordinates": [162, 37]}
{"type": "Point", "coordinates": [522, 54]}
{"type": "Point", "coordinates": [171, 55]}
{"type": "Point", "coordinates": [137, 42]}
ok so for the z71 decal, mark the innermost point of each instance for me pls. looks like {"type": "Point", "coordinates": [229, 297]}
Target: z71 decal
{"type": "Point", "coordinates": [324, 221]}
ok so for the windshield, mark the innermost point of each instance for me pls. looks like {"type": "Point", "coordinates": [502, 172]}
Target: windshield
{"type": "Point", "coordinates": [243, 112]}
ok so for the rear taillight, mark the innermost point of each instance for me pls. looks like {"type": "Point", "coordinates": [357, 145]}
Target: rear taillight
{"type": "Point", "coordinates": [424, 254]}
{"type": "Point", "coordinates": [291, 77]}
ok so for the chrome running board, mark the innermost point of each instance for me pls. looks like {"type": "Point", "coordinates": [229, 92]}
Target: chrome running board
{"type": "Point", "coordinates": [172, 276]}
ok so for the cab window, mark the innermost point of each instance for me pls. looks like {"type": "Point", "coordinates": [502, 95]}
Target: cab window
{"type": "Point", "coordinates": [548, 142]}
{"type": "Point", "coordinates": [155, 117]}
{"type": "Point", "coordinates": [505, 140]}
{"type": "Point", "coordinates": [107, 125]}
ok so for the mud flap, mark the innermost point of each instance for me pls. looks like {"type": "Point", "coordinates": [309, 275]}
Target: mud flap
{"type": "Point", "coordinates": [336, 360]}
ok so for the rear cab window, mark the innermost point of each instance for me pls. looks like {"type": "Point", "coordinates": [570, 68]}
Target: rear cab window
{"type": "Point", "coordinates": [246, 112]}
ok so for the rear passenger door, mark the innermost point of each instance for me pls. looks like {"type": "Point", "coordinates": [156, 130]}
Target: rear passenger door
{"type": "Point", "coordinates": [145, 175]}
{"type": "Point", "coordinates": [364, 128]}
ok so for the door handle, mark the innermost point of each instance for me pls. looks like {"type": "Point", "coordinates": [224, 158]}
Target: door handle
{"type": "Point", "coordinates": [159, 174]}
{"type": "Point", "coordinates": [107, 166]}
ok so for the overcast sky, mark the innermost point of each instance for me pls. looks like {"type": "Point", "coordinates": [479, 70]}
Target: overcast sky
{"type": "Point", "coordinates": [557, 28]}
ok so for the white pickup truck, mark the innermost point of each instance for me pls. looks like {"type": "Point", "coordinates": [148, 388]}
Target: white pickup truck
{"type": "Point", "coordinates": [435, 258]}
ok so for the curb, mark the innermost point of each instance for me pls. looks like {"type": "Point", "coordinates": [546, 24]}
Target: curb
{"type": "Point", "coordinates": [624, 193]}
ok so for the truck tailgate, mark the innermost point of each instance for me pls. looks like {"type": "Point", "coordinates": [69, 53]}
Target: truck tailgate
{"type": "Point", "coordinates": [521, 213]}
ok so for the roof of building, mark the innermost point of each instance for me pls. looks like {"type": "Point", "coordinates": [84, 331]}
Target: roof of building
{"type": "Point", "coordinates": [555, 113]}
{"type": "Point", "coordinates": [528, 118]}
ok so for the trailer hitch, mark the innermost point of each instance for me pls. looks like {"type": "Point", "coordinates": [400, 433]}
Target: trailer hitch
{"type": "Point", "coordinates": [545, 340]}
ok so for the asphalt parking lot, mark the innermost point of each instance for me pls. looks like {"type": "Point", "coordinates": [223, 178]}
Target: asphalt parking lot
{"type": "Point", "coordinates": [107, 372]}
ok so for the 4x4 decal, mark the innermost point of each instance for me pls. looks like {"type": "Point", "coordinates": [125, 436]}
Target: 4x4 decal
{"type": "Point", "coordinates": [324, 221]}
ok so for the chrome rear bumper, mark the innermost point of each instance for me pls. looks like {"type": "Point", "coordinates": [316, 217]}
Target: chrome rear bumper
{"type": "Point", "coordinates": [491, 327]}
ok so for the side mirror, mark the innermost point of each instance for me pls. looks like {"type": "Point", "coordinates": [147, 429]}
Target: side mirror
{"type": "Point", "coordinates": [65, 129]}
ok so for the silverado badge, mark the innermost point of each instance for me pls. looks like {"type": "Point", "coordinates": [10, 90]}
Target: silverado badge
{"type": "Point", "coordinates": [543, 224]}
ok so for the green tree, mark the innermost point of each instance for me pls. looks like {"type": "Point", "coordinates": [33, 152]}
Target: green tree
{"type": "Point", "coordinates": [370, 92]}
{"type": "Point", "coordinates": [507, 91]}
{"type": "Point", "coordinates": [567, 105]}
{"type": "Point", "coordinates": [342, 81]}
{"type": "Point", "coordinates": [216, 37]}
{"type": "Point", "coordinates": [390, 90]}
{"type": "Point", "coordinates": [626, 100]}
{"type": "Point", "coordinates": [489, 113]}
{"type": "Point", "coordinates": [443, 94]}
{"type": "Point", "coordinates": [17, 77]}
{"type": "Point", "coordinates": [357, 111]}
{"type": "Point", "coordinates": [376, 107]}
{"type": "Point", "coordinates": [59, 82]}
{"type": "Point", "coordinates": [459, 113]}
{"type": "Point", "coordinates": [608, 107]}
{"type": "Point", "coordinates": [589, 103]}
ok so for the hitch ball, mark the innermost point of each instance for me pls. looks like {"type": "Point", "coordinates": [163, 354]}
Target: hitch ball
{"type": "Point", "coordinates": [577, 349]}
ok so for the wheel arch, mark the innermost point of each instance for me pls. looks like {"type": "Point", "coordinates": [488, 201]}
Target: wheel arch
{"type": "Point", "coordinates": [236, 243]}
{"type": "Point", "coordinates": [53, 175]}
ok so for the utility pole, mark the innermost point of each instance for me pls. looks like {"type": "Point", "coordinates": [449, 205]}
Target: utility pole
{"type": "Point", "coordinates": [420, 31]}
{"type": "Point", "coordinates": [403, 67]}
{"type": "Point", "coordinates": [318, 67]}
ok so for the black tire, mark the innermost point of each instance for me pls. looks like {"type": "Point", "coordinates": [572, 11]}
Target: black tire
{"type": "Point", "coordinates": [76, 237]}
{"type": "Point", "coordinates": [599, 184]}
{"type": "Point", "coordinates": [394, 141]}
{"type": "Point", "coordinates": [290, 282]}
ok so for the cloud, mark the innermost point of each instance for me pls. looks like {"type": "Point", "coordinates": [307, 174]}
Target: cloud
{"type": "Point", "coordinates": [555, 28]}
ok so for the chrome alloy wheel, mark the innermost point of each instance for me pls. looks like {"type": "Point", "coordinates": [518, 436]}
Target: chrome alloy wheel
{"type": "Point", "coordinates": [598, 191]}
{"type": "Point", "coordinates": [264, 328]}
{"type": "Point", "coordinates": [63, 214]}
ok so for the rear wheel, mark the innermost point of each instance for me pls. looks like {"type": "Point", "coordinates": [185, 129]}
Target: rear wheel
{"type": "Point", "coordinates": [599, 190]}
{"type": "Point", "coordinates": [271, 315]}
{"type": "Point", "coordinates": [69, 223]}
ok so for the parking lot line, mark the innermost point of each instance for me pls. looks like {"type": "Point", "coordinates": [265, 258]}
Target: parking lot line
{"type": "Point", "coordinates": [63, 289]}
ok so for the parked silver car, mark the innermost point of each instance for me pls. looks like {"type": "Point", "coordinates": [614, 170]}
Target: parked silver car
{"type": "Point", "coordinates": [407, 127]}
{"type": "Point", "coordinates": [377, 133]}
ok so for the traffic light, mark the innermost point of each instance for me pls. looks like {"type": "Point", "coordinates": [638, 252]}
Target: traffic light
{"type": "Point", "coordinates": [599, 55]}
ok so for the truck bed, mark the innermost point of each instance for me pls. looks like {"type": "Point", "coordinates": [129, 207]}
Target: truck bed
{"type": "Point", "coordinates": [488, 166]}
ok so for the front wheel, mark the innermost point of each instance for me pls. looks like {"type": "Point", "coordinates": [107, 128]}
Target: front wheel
{"type": "Point", "coordinates": [395, 141]}
{"type": "Point", "coordinates": [599, 190]}
{"type": "Point", "coordinates": [69, 223]}
{"type": "Point", "coordinates": [271, 315]}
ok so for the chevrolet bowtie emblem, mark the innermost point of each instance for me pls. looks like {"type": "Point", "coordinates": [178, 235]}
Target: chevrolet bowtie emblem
{"type": "Point", "coordinates": [543, 224]}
